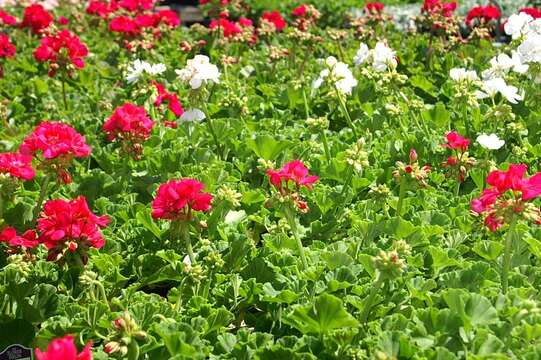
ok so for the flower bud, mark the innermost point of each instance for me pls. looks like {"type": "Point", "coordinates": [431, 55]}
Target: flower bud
{"type": "Point", "coordinates": [413, 155]}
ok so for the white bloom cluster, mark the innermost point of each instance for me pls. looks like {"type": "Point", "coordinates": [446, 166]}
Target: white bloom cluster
{"type": "Point", "coordinates": [138, 68]}
{"type": "Point", "coordinates": [463, 75]}
{"type": "Point", "coordinates": [524, 27]}
{"type": "Point", "coordinates": [199, 71]}
{"type": "Point", "coordinates": [501, 65]}
{"type": "Point", "coordinates": [382, 57]}
{"type": "Point", "coordinates": [491, 87]}
{"type": "Point", "coordinates": [490, 142]}
{"type": "Point", "coordinates": [337, 72]}
{"type": "Point", "coordinates": [192, 115]}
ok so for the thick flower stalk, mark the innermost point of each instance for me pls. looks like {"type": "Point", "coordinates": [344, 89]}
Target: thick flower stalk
{"type": "Point", "coordinates": [405, 174]}
{"type": "Point", "coordinates": [507, 201]}
{"type": "Point", "coordinates": [131, 126]}
{"type": "Point", "coordinates": [64, 348]}
{"type": "Point", "coordinates": [288, 182]}
{"type": "Point", "coordinates": [460, 162]}
{"type": "Point", "coordinates": [178, 201]}
{"type": "Point", "coordinates": [68, 229]}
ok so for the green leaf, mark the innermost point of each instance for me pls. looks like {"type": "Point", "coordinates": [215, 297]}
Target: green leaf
{"type": "Point", "coordinates": [326, 314]}
{"type": "Point", "coordinates": [267, 147]}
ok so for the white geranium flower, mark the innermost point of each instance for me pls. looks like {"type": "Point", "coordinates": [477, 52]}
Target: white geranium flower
{"type": "Point", "coordinates": [199, 71]}
{"type": "Point", "coordinates": [383, 57]}
{"type": "Point", "coordinates": [530, 49]}
{"type": "Point", "coordinates": [497, 85]}
{"type": "Point", "coordinates": [362, 55]}
{"type": "Point", "coordinates": [138, 68]}
{"type": "Point", "coordinates": [501, 65]}
{"type": "Point", "coordinates": [339, 73]}
{"type": "Point", "coordinates": [490, 142]}
{"type": "Point", "coordinates": [193, 115]}
{"type": "Point", "coordinates": [461, 74]}
{"type": "Point", "coordinates": [517, 25]}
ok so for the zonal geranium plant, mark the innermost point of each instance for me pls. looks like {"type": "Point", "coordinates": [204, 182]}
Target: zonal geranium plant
{"type": "Point", "coordinates": [178, 201]}
{"type": "Point", "coordinates": [408, 174]}
{"type": "Point", "coordinates": [68, 229]}
{"type": "Point", "coordinates": [508, 201]}
{"type": "Point", "coordinates": [288, 182]}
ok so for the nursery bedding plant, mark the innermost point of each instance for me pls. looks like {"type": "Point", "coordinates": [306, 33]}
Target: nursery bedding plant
{"type": "Point", "coordinates": [286, 182]}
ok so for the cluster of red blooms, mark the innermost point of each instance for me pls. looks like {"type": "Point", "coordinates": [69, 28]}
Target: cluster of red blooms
{"type": "Point", "coordinates": [171, 100]}
{"type": "Point", "coordinates": [509, 196]}
{"type": "Point", "coordinates": [533, 12]}
{"type": "Point", "coordinates": [439, 8]}
{"type": "Point", "coordinates": [205, 2]}
{"type": "Point", "coordinates": [482, 14]}
{"type": "Point", "coordinates": [59, 143]}
{"type": "Point", "coordinates": [240, 31]}
{"type": "Point", "coordinates": [64, 51]}
{"type": "Point", "coordinates": [28, 240]}
{"type": "Point", "coordinates": [412, 170]}
{"type": "Point", "coordinates": [6, 19]}
{"type": "Point", "coordinates": [70, 227]}
{"type": "Point", "coordinates": [306, 16]}
{"type": "Point", "coordinates": [64, 348]}
{"type": "Point", "coordinates": [177, 199]}
{"type": "Point", "coordinates": [374, 8]}
{"type": "Point", "coordinates": [290, 179]}
{"type": "Point", "coordinates": [17, 166]}
{"type": "Point", "coordinates": [274, 19]}
{"type": "Point", "coordinates": [7, 50]}
{"type": "Point", "coordinates": [37, 18]}
{"type": "Point", "coordinates": [459, 163]}
{"type": "Point", "coordinates": [131, 125]}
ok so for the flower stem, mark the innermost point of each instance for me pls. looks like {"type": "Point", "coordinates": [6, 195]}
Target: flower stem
{"type": "Point", "coordinates": [368, 303]}
{"type": "Point", "coordinates": [326, 146]}
{"type": "Point", "coordinates": [213, 133]}
{"type": "Point", "coordinates": [457, 188]}
{"type": "Point", "coordinates": [401, 195]}
{"type": "Point", "coordinates": [64, 92]}
{"type": "Point", "coordinates": [344, 108]}
{"type": "Point", "coordinates": [293, 225]}
{"type": "Point", "coordinates": [185, 230]}
{"type": "Point", "coordinates": [42, 194]}
{"type": "Point", "coordinates": [1, 206]}
{"type": "Point", "coordinates": [507, 254]}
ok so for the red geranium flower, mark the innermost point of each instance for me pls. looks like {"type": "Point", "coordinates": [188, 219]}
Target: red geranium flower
{"type": "Point", "coordinates": [167, 17]}
{"type": "Point", "coordinates": [61, 48]}
{"type": "Point", "coordinates": [125, 25]}
{"type": "Point", "coordinates": [172, 101]}
{"type": "Point", "coordinates": [177, 199]}
{"type": "Point", "coordinates": [293, 172]}
{"type": "Point", "coordinates": [483, 13]}
{"type": "Point", "coordinates": [299, 11]}
{"type": "Point", "coordinates": [136, 5]}
{"type": "Point", "coordinates": [64, 349]}
{"type": "Point", "coordinates": [229, 28]}
{"type": "Point", "coordinates": [7, 19]}
{"type": "Point", "coordinates": [437, 7]}
{"type": "Point", "coordinates": [456, 142]}
{"type": "Point", "coordinates": [275, 18]}
{"type": "Point", "coordinates": [7, 49]}
{"type": "Point", "coordinates": [533, 12]}
{"type": "Point", "coordinates": [36, 17]}
{"type": "Point", "coordinates": [27, 240]}
{"type": "Point", "coordinates": [54, 140]}
{"type": "Point", "coordinates": [374, 7]}
{"type": "Point", "coordinates": [70, 226]}
{"type": "Point", "coordinates": [17, 165]}
{"type": "Point", "coordinates": [129, 121]}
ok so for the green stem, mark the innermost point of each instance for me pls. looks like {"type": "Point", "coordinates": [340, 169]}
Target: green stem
{"type": "Point", "coordinates": [344, 108]}
{"type": "Point", "coordinates": [133, 350]}
{"type": "Point", "coordinates": [401, 195]}
{"type": "Point", "coordinates": [293, 225]}
{"type": "Point", "coordinates": [326, 146]}
{"type": "Point", "coordinates": [213, 133]}
{"type": "Point", "coordinates": [306, 108]}
{"type": "Point", "coordinates": [507, 254]}
{"type": "Point", "coordinates": [188, 241]}
{"type": "Point", "coordinates": [42, 194]}
{"type": "Point", "coordinates": [1, 207]}
{"type": "Point", "coordinates": [368, 303]}
{"type": "Point", "coordinates": [457, 188]}
{"type": "Point", "coordinates": [64, 92]}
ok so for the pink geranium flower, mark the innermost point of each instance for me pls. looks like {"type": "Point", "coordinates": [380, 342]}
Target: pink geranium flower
{"type": "Point", "coordinates": [177, 199]}
{"type": "Point", "coordinates": [64, 349]}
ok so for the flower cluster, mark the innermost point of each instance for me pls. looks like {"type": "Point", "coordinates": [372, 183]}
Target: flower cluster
{"type": "Point", "coordinates": [199, 71]}
{"type": "Point", "coordinates": [508, 197]}
{"type": "Point", "coordinates": [412, 170]}
{"type": "Point", "coordinates": [460, 162]}
{"type": "Point", "coordinates": [239, 31]}
{"type": "Point", "coordinates": [139, 68]}
{"type": "Point", "coordinates": [490, 142]}
{"type": "Point", "coordinates": [289, 180]}
{"type": "Point", "coordinates": [306, 16]}
{"type": "Point", "coordinates": [6, 19]}
{"type": "Point", "coordinates": [171, 100]}
{"type": "Point", "coordinates": [131, 125]}
{"type": "Point", "coordinates": [64, 51]}
{"type": "Point", "coordinates": [437, 17]}
{"type": "Point", "coordinates": [437, 7]}
{"type": "Point", "coordinates": [125, 331]}
{"type": "Point", "coordinates": [482, 15]}
{"type": "Point", "coordinates": [16, 166]}
{"type": "Point", "coordinates": [58, 143]}
{"type": "Point", "coordinates": [28, 240]}
{"type": "Point", "coordinates": [37, 18]}
{"type": "Point", "coordinates": [7, 49]}
{"type": "Point", "coordinates": [69, 227]}
{"type": "Point", "coordinates": [381, 57]}
{"type": "Point", "coordinates": [65, 349]}
{"type": "Point", "coordinates": [178, 199]}
{"type": "Point", "coordinates": [374, 8]}
{"type": "Point", "coordinates": [272, 20]}
{"type": "Point", "coordinates": [339, 74]}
